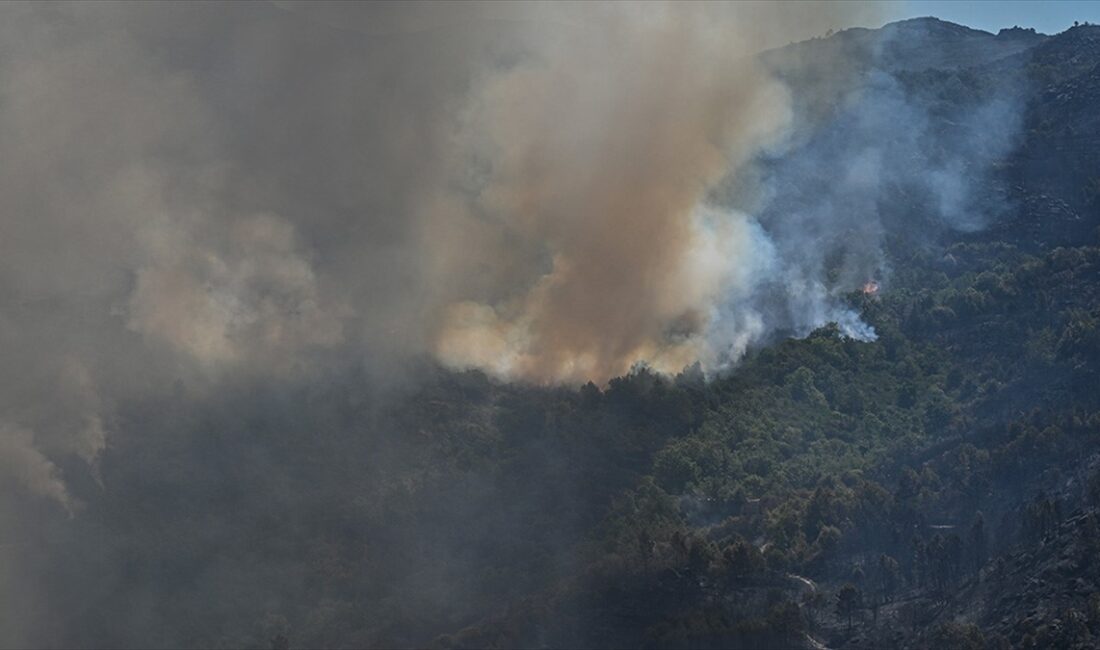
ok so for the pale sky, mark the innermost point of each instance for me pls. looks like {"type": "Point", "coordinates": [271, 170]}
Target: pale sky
{"type": "Point", "coordinates": [1047, 16]}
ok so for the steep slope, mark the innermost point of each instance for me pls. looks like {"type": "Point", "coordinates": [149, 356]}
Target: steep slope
{"type": "Point", "coordinates": [931, 469]}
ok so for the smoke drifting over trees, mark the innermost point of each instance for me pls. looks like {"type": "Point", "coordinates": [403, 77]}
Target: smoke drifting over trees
{"type": "Point", "coordinates": [258, 219]}
{"type": "Point", "coordinates": [193, 194]}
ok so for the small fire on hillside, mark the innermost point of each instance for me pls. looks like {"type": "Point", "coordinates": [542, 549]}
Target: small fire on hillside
{"type": "Point", "coordinates": [870, 288]}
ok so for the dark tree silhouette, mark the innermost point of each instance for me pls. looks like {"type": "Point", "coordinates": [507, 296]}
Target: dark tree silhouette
{"type": "Point", "coordinates": [848, 601]}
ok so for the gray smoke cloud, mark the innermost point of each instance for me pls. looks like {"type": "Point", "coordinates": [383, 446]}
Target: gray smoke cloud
{"type": "Point", "coordinates": [195, 195]}
{"type": "Point", "coordinates": [201, 194]}
{"type": "Point", "coordinates": [583, 174]}
{"type": "Point", "coordinates": [876, 148]}
{"type": "Point", "coordinates": [199, 199]}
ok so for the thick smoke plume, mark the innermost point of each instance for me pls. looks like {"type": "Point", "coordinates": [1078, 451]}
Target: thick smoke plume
{"type": "Point", "coordinates": [201, 195]}
{"type": "Point", "coordinates": [203, 204]}
{"type": "Point", "coordinates": [595, 154]}
{"type": "Point", "coordinates": [194, 194]}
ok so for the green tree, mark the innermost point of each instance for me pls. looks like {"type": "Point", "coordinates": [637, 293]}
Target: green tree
{"type": "Point", "coordinates": [889, 577]}
{"type": "Point", "coordinates": [849, 600]}
{"type": "Point", "coordinates": [958, 636]}
{"type": "Point", "coordinates": [979, 543]}
{"type": "Point", "coordinates": [742, 560]}
{"type": "Point", "coordinates": [803, 389]}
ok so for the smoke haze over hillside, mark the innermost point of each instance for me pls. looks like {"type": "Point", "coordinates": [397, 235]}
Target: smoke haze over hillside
{"type": "Point", "coordinates": [201, 201]}
{"type": "Point", "coordinates": [198, 192]}
{"type": "Point", "coordinates": [193, 193]}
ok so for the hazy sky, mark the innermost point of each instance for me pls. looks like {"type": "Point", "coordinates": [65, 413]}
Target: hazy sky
{"type": "Point", "coordinates": [1047, 16]}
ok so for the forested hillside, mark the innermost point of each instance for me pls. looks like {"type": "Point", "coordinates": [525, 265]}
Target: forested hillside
{"type": "Point", "coordinates": [938, 486]}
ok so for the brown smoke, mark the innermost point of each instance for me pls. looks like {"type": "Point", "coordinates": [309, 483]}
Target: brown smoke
{"type": "Point", "coordinates": [598, 150]}
{"type": "Point", "coordinates": [195, 193]}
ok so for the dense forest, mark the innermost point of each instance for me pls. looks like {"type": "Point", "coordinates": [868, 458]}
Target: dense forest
{"type": "Point", "coordinates": [937, 486]}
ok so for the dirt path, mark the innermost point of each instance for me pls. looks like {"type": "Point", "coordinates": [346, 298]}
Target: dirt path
{"type": "Point", "coordinates": [808, 587]}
